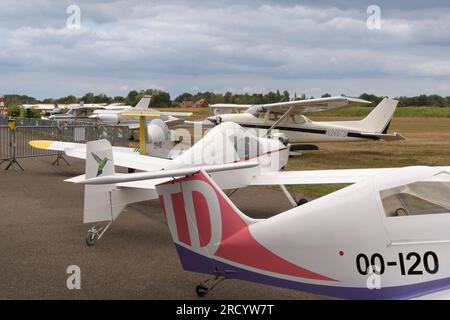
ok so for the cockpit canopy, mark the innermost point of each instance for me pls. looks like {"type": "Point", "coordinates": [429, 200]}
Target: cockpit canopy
{"type": "Point", "coordinates": [427, 196]}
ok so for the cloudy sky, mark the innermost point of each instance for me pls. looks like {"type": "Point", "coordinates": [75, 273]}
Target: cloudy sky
{"type": "Point", "coordinates": [241, 46]}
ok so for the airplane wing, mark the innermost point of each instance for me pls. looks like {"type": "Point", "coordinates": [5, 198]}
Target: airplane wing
{"type": "Point", "coordinates": [123, 157]}
{"type": "Point", "coordinates": [314, 176]}
{"type": "Point", "coordinates": [230, 106]}
{"type": "Point", "coordinates": [300, 106]}
{"type": "Point", "coordinates": [314, 105]}
{"type": "Point", "coordinates": [155, 113]}
{"type": "Point", "coordinates": [339, 176]}
{"type": "Point", "coordinates": [141, 176]}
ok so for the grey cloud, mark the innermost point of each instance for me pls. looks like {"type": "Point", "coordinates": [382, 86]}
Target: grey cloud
{"type": "Point", "coordinates": [217, 45]}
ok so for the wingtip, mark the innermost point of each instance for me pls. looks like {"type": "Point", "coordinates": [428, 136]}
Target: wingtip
{"type": "Point", "coordinates": [40, 144]}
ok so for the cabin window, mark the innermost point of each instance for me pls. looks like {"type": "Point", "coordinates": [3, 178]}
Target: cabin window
{"type": "Point", "coordinates": [255, 111]}
{"type": "Point", "coordinates": [430, 196]}
{"type": "Point", "coordinates": [246, 147]}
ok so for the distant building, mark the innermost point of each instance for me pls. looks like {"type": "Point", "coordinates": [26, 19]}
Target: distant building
{"type": "Point", "coordinates": [187, 104]}
{"type": "Point", "coordinates": [2, 105]}
{"type": "Point", "coordinates": [201, 103]}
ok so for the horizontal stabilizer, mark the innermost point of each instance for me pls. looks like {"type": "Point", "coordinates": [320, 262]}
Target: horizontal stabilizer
{"type": "Point", "coordinates": [384, 136]}
{"type": "Point", "coordinates": [166, 173]}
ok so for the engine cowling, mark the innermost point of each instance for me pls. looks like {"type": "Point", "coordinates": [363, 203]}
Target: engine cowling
{"type": "Point", "coordinates": [158, 139]}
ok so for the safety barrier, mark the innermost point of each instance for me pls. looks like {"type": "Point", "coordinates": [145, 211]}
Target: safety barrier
{"type": "Point", "coordinates": [15, 137]}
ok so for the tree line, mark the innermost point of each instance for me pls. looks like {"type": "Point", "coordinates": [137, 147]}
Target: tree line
{"type": "Point", "coordinates": [161, 99]}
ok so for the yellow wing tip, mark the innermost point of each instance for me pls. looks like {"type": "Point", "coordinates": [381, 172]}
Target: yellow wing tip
{"type": "Point", "coordinates": [40, 144]}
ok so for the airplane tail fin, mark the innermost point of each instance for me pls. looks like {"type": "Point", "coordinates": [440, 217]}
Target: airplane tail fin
{"type": "Point", "coordinates": [380, 117]}
{"type": "Point", "coordinates": [144, 103]}
{"type": "Point", "coordinates": [97, 199]}
{"type": "Point", "coordinates": [200, 218]}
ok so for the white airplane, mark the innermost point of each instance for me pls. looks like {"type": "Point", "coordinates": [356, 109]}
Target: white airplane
{"type": "Point", "coordinates": [288, 118]}
{"type": "Point", "coordinates": [77, 111]}
{"type": "Point", "coordinates": [128, 115]}
{"type": "Point", "coordinates": [386, 236]}
{"type": "Point", "coordinates": [227, 143]}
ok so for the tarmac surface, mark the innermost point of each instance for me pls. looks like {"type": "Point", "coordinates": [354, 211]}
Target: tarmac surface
{"type": "Point", "coordinates": [41, 234]}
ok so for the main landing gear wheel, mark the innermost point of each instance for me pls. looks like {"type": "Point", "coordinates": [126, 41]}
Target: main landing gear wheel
{"type": "Point", "coordinates": [201, 290]}
{"type": "Point", "coordinates": [206, 286]}
{"type": "Point", "coordinates": [91, 237]}
{"type": "Point", "coordinates": [400, 212]}
{"type": "Point", "coordinates": [301, 201]}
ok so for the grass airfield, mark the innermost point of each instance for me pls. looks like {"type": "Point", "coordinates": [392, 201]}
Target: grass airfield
{"type": "Point", "coordinates": [426, 129]}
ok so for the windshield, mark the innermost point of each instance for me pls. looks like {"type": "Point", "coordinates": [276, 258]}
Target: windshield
{"type": "Point", "coordinates": [255, 110]}
{"type": "Point", "coordinates": [430, 196]}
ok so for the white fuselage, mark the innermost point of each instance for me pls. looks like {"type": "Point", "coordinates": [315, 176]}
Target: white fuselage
{"type": "Point", "coordinates": [299, 129]}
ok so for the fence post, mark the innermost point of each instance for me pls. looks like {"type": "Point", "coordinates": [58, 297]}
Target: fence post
{"type": "Point", "coordinates": [12, 145]}
{"type": "Point", "coordinates": [60, 154]}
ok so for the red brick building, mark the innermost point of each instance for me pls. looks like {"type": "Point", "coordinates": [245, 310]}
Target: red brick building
{"type": "Point", "coordinates": [201, 103]}
{"type": "Point", "coordinates": [187, 104]}
{"type": "Point", "coordinates": [2, 105]}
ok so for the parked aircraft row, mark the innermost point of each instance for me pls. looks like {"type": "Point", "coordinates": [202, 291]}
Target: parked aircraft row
{"type": "Point", "coordinates": [286, 117]}
{"type": "Point", "coordinates": [384, 236]}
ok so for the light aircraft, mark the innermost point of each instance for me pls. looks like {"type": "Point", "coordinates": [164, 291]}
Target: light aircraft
{"type": "Point", "coordinates": [288, 117]}
{"type": "Point", "coordinates": [75, 111]}
{"type": "Point", "coordinates": [127, 115]}
{"type": "Point", "coordinates": [386, 236]}
{"type": "Point", "coordinates": [227, 143]}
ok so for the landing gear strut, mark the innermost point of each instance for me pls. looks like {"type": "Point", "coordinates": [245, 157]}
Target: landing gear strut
{"type": "Point", "coordinates": [95, 234]}
{"type": "Point", "coordinates": [206, 286]}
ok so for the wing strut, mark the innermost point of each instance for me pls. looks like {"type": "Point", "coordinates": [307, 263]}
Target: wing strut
{"type": "Point", "coordinates": [288, 195]}
{"type": "Point", "coordinates": [279, 120]}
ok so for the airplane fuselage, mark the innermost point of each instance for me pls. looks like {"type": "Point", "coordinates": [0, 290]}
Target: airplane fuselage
{"type": "Point", "coordinates": [302, 129]}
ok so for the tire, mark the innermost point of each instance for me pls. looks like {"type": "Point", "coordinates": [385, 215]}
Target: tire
{"type": "Point", "coordinates": [91, 238]}
{"type": "Point", "coordinates": [201, 290]}
{"type": "Point", "coordinates": [301, 201]}
{"type": "Point", "coordinates": [400, 212]}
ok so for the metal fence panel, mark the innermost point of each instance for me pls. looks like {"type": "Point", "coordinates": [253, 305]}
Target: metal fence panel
{"type": "Point", "coordinates": [3, 120]}
{"type": "Point", "coordinates": [5, 139]}
{"type": "Point", "coordinates": [15, 143]}
{"type": "Point", "coordinates": [22, 135]}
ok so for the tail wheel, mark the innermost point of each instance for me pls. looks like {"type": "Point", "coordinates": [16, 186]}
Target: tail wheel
{"type": "Point", "coordinates": [91, 238]}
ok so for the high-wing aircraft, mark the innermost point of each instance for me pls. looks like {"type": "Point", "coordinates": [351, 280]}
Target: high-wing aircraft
{"type": "Point", "coordinates": [227, 143]}
{"type": "Point", "coordinates": [288, 118]}
{"type": "Point", "coordinates": [118, 113]}
{"type": "Point", "coordinates": [384, 237]}
{"type": "Point", "coordinates": [76, 112]}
